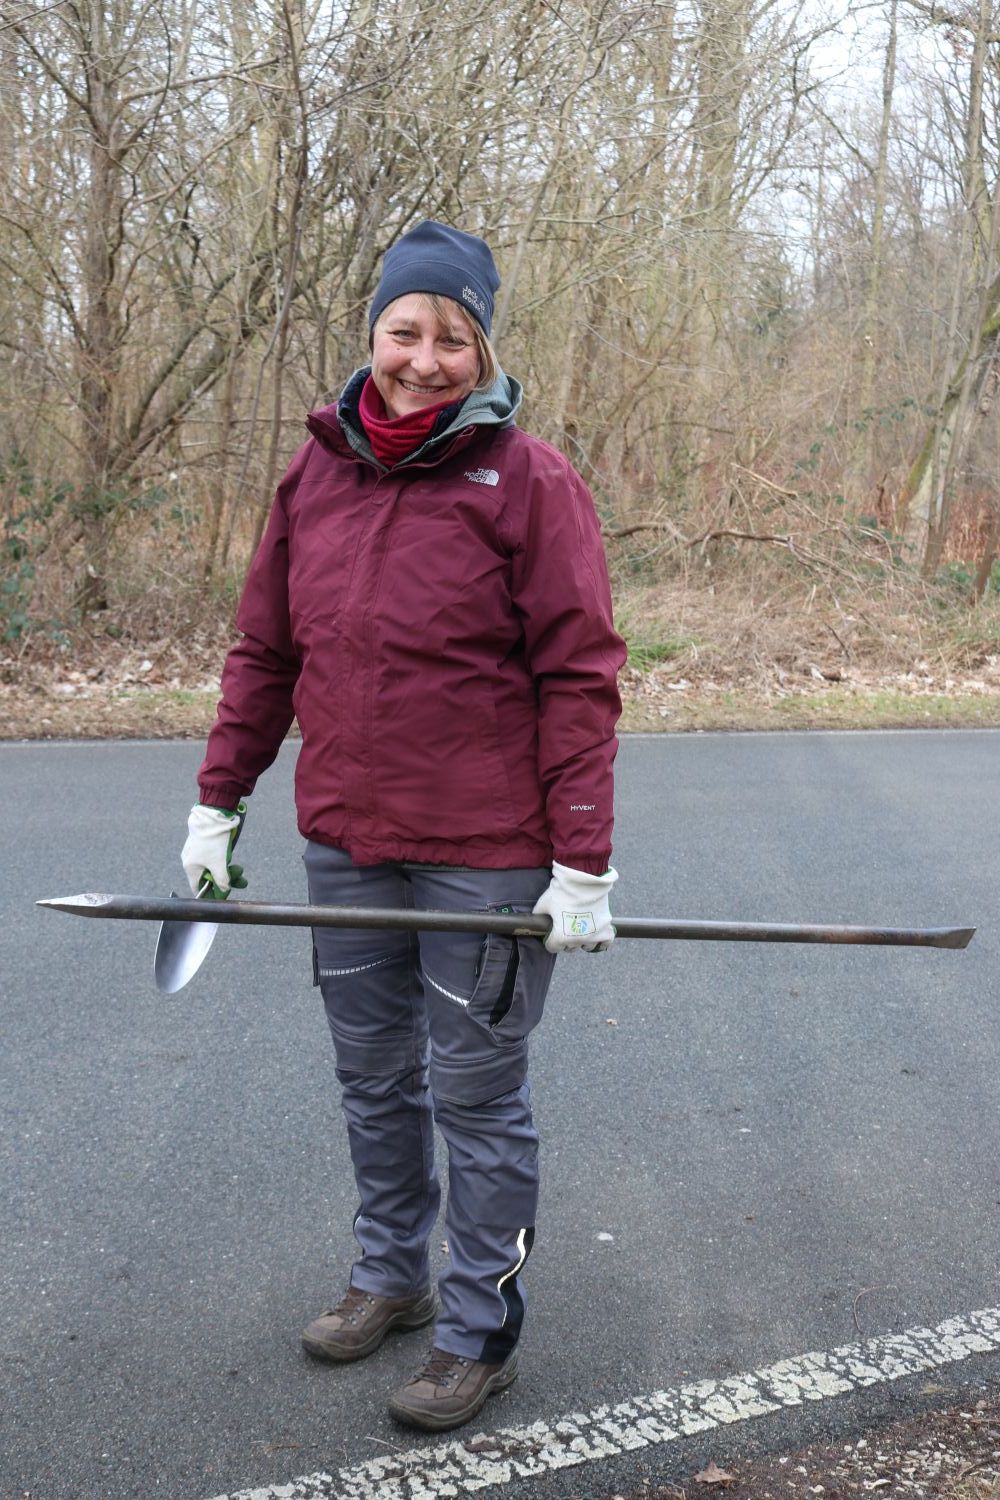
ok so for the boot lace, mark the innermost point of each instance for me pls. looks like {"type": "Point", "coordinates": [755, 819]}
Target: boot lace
{"type": "Point", "coordinates": [353, 1304]}
{"type": "Point", "coordinates": [441, 1368]}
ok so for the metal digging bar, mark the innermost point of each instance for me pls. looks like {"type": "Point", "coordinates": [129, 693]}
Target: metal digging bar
{"type": "Point", "coordinates": [268, 914]}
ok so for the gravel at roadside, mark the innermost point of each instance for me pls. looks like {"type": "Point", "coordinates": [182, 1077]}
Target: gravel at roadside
{"type": "Point", "coordinates": [952, 1454]}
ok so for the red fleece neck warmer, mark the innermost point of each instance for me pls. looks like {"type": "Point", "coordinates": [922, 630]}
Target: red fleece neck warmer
{"type": "Point", "coordinates": [393, 438]}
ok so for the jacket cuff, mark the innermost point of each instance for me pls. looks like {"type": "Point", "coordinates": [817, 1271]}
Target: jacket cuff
{"type": "Point", "coordinates": [590, 864]}
{"type": "Point", "coordinates": [226, 795]}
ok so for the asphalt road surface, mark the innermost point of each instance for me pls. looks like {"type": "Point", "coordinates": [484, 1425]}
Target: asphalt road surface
{"type": "Point", "coordinates": [749, 1151]}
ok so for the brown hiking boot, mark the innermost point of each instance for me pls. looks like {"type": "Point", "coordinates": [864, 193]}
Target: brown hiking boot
{"type": "Point", "coordinates": [361, 1320]}
{"type": "Point", "coordinates": [449, 1389]}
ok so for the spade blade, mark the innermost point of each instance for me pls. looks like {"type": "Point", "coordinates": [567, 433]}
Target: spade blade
{"type": "Point", "coordinates": [180, 952]}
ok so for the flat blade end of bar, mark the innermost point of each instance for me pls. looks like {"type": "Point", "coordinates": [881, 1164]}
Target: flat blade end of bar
{"type": "Point", "coordinates": [960, 937]}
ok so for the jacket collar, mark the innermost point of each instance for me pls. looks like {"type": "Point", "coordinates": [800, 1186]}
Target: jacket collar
{"type": "Point", "coordinates": [338, 426]}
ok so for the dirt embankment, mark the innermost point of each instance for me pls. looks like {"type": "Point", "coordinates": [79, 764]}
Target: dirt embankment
{"type": "Point", "coordinates": [696, 662]}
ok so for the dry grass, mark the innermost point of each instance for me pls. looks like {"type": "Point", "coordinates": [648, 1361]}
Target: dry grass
{"type": "Point", "coordinates": [829, 630]}
{"type": "Point", "coordinates": [974, 1487]}
{"type": "Point", "coordinates": [758, 626]}
{"type": "Point", "coordinates": [776, 583]}
{"type": "Point", "coordinates": [818, 628]}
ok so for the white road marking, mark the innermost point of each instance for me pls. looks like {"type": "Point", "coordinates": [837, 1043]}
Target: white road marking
{"type": "Point", "coordinates": [481, 1461]}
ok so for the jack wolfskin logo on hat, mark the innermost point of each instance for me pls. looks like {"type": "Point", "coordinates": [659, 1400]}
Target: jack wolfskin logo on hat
{"type": "Point", "coordinates": [483, 476]}
{"type": "Point", "coordinates": [474, 300]}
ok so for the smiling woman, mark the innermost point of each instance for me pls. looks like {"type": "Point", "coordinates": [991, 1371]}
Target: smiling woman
{"type": "Point", "coordinates": [426, 351]}
{"type": "Point", "coordinates": [431, 601]}
{"type": "Point", "coordinates": [420, 361]}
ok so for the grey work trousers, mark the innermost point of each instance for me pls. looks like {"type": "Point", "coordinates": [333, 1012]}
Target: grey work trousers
{"type": "Point", "coordinates": [435, 1025]}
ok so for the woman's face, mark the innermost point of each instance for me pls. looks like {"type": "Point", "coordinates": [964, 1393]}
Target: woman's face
{"type": "Point", "coordinates": [416, 362]}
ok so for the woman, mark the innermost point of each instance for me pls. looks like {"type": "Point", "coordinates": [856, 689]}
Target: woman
{"type": "Point", "coordinates": [431, 601]}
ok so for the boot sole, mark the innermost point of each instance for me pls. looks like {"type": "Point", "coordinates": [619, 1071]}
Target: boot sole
{"type": "Point", "coordinates": [432, 1421]}
{"type": "Point", "coordinates": [403, 1321]}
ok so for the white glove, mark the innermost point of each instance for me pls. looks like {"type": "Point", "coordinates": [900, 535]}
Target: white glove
{"type": "Point", "coordinates": [578, 905]}
{"type": "Point", "coordinates": [211, 836]}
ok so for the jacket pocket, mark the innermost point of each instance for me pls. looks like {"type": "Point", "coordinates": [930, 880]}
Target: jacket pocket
{"type": "Point", "coordinates": [512, 979]}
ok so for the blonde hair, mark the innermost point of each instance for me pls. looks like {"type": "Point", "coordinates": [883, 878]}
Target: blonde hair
{"type": "Point", "coordinates": [443, 309]}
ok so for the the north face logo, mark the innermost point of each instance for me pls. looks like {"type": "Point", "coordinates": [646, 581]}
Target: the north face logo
{"type": "Point", "coordinates": [474, 300]}
{"type": "Point", "coordinates": [483, 476]}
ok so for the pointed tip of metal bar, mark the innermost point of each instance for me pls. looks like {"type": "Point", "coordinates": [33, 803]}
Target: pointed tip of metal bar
{"type": "Point", "coordinates": [961, 937]}
{"type": "Point", "coordinates": [82, 905]}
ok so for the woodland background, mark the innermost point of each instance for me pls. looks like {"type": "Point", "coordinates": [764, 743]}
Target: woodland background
{"type": "Point", "coordinates": [751, 282]}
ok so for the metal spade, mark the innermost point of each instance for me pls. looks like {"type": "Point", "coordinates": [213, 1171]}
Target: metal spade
{"type": "Point", "coordinates": [181, 948]}
{"type": "Point", "coordinates": [181, 945]}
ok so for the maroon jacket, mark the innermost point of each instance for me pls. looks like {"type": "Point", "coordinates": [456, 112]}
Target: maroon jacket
{"type": "Point", "coordinates": [443, 633]}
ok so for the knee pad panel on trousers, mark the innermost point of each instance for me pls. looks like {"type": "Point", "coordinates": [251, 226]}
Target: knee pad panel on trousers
{"type": "Point", "coordinates": [479, 1071]}
{"type": "Point", "coordinates": [493, 1160]}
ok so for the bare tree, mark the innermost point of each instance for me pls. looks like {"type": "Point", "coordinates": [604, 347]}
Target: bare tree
{"type": "Point", "coordinates": [972, 342]}
{"type": "Point", "coordinates": [709, 266]}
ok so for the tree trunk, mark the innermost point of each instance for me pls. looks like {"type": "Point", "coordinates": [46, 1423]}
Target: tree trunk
{"type": "Point", "coordinates": [716, 130]}
{"type": "Point", "coordinates": [859, 474]}
{"type": "Point", "coordinates": [99, 355]}
{"type": "Point", "coordinates": [926, 501]}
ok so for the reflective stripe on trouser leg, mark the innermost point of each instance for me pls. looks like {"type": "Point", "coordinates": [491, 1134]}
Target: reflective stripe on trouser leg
{"type": "Point", "coordinates": [371, 990]}
{"type": "Point", "coordinates": [492, 1198]}
{"type": "Point", "coordinates": [484, 996]}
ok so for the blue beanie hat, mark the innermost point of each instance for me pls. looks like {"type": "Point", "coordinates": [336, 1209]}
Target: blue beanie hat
{"type": "Point", "coordinates": [434, 258]}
